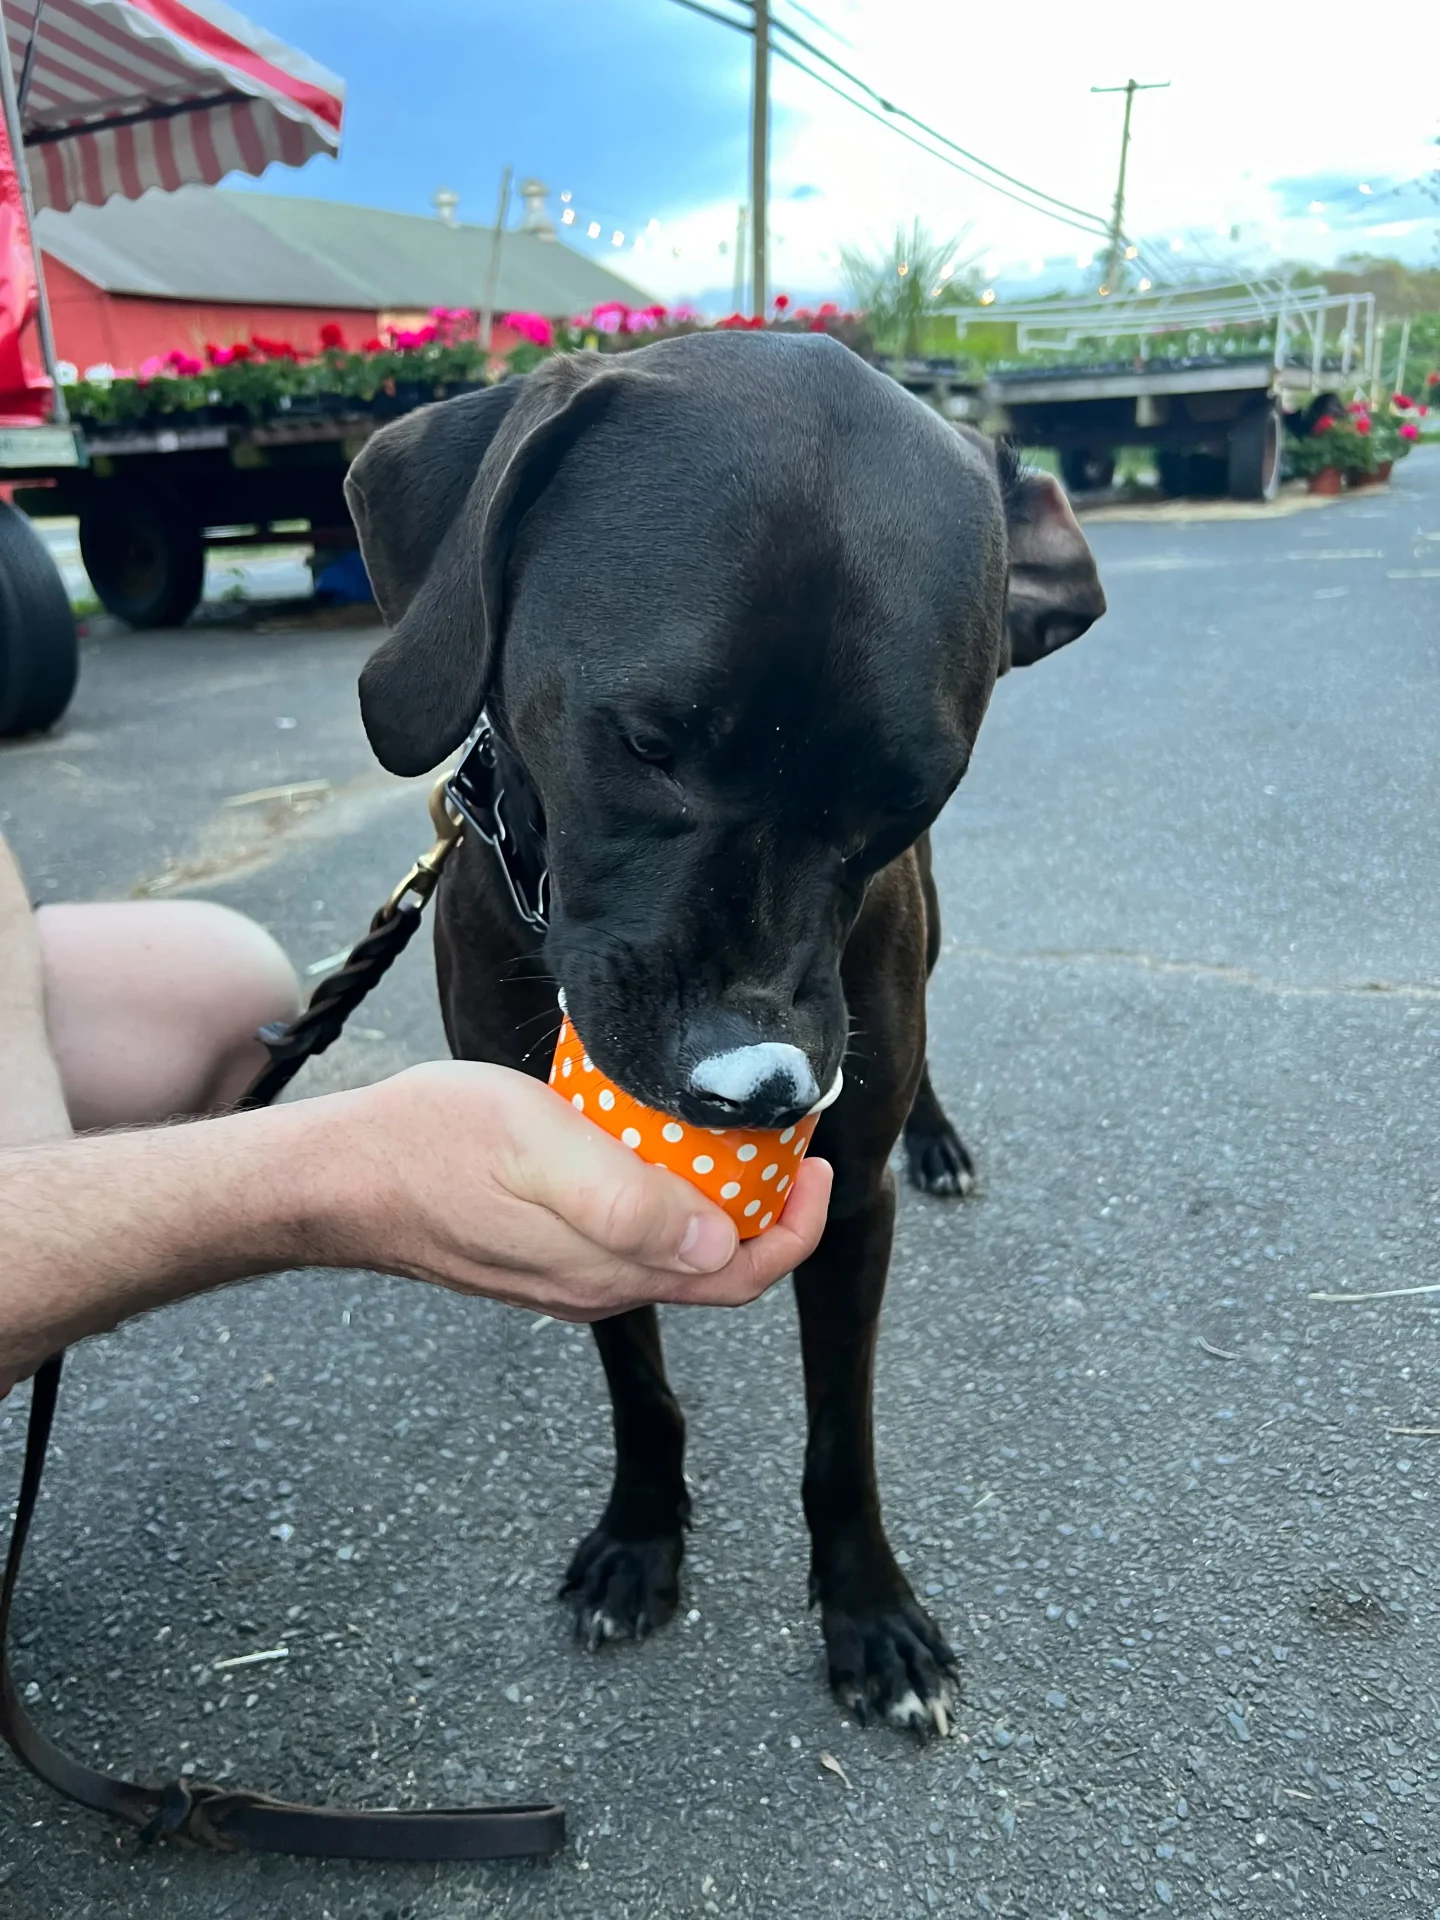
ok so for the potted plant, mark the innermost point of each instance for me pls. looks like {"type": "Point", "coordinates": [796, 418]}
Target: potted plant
{"type": "Point", "coordinates": [1339, 450]}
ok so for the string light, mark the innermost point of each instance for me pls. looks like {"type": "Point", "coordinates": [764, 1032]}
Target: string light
{"type": "Point", "coordinates": [567, 218]}
{"type": "Point", "coordinates": [617, 239]}
{"type": "Point", "coordinates": [987, 298]}
{"type": "Point", "coordinates": [593, 230]}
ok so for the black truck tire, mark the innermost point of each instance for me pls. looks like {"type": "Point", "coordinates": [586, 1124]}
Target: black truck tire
{"type": "Point", "coordinates": [39, 652]}
{"type": "Point", "coordinates": [1257, 441]}
{"type": "Point", "coordinates": [1081, 469]}
{"type": "Point", "coordinates": [144, 553]}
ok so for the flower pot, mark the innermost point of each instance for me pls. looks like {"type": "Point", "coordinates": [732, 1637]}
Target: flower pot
{"type": "Point", "coordinates": [1327, 480]}
{"type": "Point", "coordinates": [1383, 472]}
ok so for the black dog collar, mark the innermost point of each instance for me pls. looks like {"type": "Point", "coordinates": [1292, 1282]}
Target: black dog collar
{"type": "Point", "coordinates": [478, 790]}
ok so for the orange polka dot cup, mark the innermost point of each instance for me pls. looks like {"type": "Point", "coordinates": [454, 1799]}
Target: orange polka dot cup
{"type": "Point", "coordinates": [748, 1172]}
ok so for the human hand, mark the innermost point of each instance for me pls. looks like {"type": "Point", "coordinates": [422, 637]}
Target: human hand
{"type": "Point", "coordinates": [481, 1180]}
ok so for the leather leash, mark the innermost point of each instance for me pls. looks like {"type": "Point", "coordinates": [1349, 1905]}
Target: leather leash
{"type": "Point", "coordinates": [234, 1819]}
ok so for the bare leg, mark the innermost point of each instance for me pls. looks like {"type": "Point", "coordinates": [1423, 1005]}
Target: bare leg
{"type": "Point", "coordinates": [152, 1006]}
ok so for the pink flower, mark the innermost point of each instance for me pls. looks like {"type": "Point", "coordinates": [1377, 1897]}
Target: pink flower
{"type": "Point", "coordinates": [185, 365]}
{"type": "Point", "coordinates": [1409, 431]}
{"type": "Point", "coordinates": [829, 311]}
{"type": "Point", "coordinates": [533, 327]}
{"type": "Point", "coordinates": [152, 368]}
{"type": "Point", "coordinates": [685, 316]}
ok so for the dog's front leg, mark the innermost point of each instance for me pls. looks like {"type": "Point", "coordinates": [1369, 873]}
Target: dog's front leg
{"type": "Point", "coordinates": [624, 1578]}
{"type": "Point", "coordinates": [888, 1659]}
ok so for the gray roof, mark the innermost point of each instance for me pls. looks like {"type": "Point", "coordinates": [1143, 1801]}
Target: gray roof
{"type": "Point", "coordinates": [202, 243]}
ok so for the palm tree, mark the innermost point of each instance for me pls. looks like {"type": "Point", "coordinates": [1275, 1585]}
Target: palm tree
{"type": "Point", "coordinates": [902, 287]}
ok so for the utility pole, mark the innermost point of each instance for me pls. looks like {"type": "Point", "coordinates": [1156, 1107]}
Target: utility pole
{"type": "Point", "coordinates": [760, 159]}
{"type": "Point", "coordinates": [492, 276]}
{"type": "Point", "coordinates": [1117, 217]}
{"type": "Point", "coordinates": [742, 215]}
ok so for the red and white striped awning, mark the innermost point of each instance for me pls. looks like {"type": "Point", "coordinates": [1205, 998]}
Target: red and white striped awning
{"type": "Point", "coordinates": [124, 95]}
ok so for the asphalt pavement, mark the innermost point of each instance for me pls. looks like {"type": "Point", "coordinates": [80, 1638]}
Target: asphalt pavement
{"type": "Point", "coordinates": [1178, 1514]}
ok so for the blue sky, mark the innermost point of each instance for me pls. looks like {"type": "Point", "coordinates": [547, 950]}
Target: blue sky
{"type": "Point", "coordinates": [639, 110]}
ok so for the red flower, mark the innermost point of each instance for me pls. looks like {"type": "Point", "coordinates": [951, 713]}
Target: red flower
{"type": "Point", "coordinates": [782, 301]}
{"type": "Point", "coordinates": [1325, 423]}
{"type": "Point", "coordinates": [332, 335]}
{"type": "Point", "coordinates": [828, 311]}
{"type": "Point", "coordinates": [1356, 406]}
{"type": "Point", "coordinates": [1401, 400]}
{"type": "Point", "coordinates": [240, 351]}
{"type": "Point", "coordinates": [373, 345]}
{"type": "Point", "coordinates": [1432, 379]}
{"type": "Point", "coordinates": [1362, 426]}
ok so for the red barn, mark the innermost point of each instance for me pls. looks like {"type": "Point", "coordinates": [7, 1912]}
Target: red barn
{"type": "Point", "coordinates": [136, 278]}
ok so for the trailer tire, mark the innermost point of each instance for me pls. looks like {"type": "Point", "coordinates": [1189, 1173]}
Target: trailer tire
{"type": "Point", "coordinates": [39, 652]}
{"type": "Point", "coordinates": [144, 553]}
{"type": "Point", "coordinates": [1257, 442]}
{"type": "Point", "coordinates": [1081, 469]}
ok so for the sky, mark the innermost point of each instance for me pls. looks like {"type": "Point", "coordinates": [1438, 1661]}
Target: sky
{"type": "Point", "coordinates": [639, 110]}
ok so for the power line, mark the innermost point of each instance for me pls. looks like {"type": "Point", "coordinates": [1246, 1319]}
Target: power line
{"type": "Point", "coordinates": [1060, 210]}
{"type": "Point", "coordinates": [815, 20]}
{"type": "Point", "coordinates": [933, 133]}
{"type": "Point", "coordinates": [1087, 223]}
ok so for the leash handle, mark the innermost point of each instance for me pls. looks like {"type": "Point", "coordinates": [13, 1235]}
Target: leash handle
{"type": "Point", "coordinates": [233, 1819]}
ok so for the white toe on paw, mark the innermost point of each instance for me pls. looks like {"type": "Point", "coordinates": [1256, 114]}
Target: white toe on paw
{"type": "Point", "coordinates": [909, 1711]}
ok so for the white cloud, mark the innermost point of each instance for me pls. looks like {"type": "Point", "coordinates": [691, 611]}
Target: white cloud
{"type": "Point", "coordinates": [1015, 89]}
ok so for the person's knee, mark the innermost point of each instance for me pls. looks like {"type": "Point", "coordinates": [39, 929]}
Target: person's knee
{"type": "Point", "coordinates": [239, 981]}
{"type": "Point", "coordinates": [153, 1006]}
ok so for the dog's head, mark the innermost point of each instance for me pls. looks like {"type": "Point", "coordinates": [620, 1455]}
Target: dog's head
{"type": "Point", "coordinates": [737, 606]}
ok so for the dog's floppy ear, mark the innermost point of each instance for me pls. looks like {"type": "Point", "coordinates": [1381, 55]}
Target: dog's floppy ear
{"type": "Point", "coordinates": [436, 499]}
{"type": "Point", "coordinates": [1054, 592]}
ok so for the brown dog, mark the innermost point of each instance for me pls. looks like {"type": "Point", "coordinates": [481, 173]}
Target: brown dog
{"type": "Point", "coordinates": [735, 607]}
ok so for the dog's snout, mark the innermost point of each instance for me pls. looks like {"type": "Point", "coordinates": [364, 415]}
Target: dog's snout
{"type": "Point", "coordinates": [768, 1084]}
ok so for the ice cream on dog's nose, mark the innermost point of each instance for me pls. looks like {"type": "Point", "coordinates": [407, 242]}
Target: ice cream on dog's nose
{"type": "Point", "coordinates": [748, 1172]}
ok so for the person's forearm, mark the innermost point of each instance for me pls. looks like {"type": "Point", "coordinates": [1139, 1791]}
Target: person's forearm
{"type": "Point", "coordinates": [32, 1105]}
{"type": "Point", "coordinates": [100, 1228]}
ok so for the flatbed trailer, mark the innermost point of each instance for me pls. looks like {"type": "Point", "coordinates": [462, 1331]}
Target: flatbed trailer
{"type": "Point", "coordinates": [152, 496]}
{"type": "Point", "coordinates": [1215, 419]}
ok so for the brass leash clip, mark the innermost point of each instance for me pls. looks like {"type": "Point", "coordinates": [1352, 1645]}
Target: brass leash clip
{"type": "Point", "coordinates": [424, 876]}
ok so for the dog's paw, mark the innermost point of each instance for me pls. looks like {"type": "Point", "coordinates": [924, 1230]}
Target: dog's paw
{"type": "Point", "coordinates": [939, 1161]}
{"type": "Point", "coordinates": [622, 1589]}
{"type": "Point", "coordinates": [894, 1667]}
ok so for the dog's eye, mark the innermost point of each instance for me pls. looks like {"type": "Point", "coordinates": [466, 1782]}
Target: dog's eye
{"type": "Point", "coordinates": [653, 748]}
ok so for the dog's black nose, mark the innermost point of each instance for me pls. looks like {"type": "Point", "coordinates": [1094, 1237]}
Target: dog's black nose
{"type": "Point", "coordinates": [768, 1084]}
